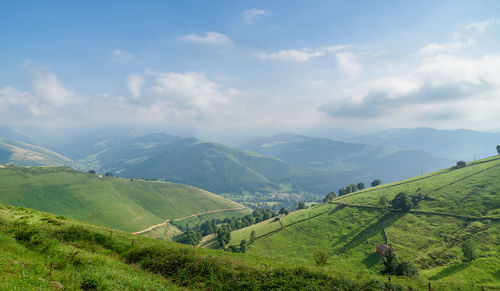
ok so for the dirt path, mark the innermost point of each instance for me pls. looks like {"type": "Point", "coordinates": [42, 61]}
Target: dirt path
{"type": "Point", "coordinates": [186, 217]}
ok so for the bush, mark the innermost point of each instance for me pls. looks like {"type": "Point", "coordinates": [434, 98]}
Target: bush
{"type": "Point", "coordinates": [376, 182]}
{"type": "Point", "coordinates": [461, 164]}
{"type": "Point", "coordinates": [394, 266]}
{"type": "Point", "coordinates": [469, 250]}
{"type": "Point", "coordinates": [90, 282]}
{"type": "Point", "coordinates": [401, 202]}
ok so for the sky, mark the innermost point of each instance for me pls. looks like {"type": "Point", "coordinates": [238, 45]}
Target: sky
{"type": "Point", "coordinates": [256, 66]}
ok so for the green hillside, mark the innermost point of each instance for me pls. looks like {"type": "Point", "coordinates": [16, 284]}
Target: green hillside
{"type": "Point", "coordinates": [42, 251]}
{"type": "Point", "coordinates": [458, 205]}
{"type": "Point", "coordinates": [128, 205]}
{"type": "Point", "coordinates": [23, 154]}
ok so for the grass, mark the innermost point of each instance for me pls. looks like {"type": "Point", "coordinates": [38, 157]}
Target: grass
{"type": "Point", "coordinates": [47, 252]}
{"type": "Point", "coordinates": [113, 202]}
{"type": "Point", "coordinates": [433, 242]}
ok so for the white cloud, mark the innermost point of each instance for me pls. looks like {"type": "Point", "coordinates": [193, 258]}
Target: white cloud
{"type": "Point", "coordinates": [349, 63]}
{"type": "Point", "coordinates": [251, 16]}
{"type": "Point", "coordinates": [300, 55]}
{"type": "Point", "coordinates": [190, 92]}
{"type": "Point", "coordinates": [479, 27]}
{"type": "Point", "coordinates": [122, 55]}
{"type": "Point", "coordinates": [210, 37]}
{"type": "Point", "coordinates": [134, 83]}
{"type": "Point", "coordinates": [48, 86]}
{"type": "Point", "coordinates": [461, 38]}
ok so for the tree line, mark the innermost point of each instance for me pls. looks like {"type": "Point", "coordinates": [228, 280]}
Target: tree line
{"type": "Point", "coordinates": [223, 227]}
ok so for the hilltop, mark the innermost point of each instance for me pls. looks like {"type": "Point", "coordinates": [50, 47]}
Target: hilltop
{"type": "Point", "coordinates": [128, 205]}
{"type": "Point", "coordinates": [457, 205]}
{"type": "Point", "coordinates": [23, 154]}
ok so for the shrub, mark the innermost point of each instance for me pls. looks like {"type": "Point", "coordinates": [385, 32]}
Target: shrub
{"type": "Point", "coordinates": [469, 250]}
{"type": "Point", "coordinates": [376, 183]}
{"type": "Point", "coordinates": [401, 202]}
{"type": "Point", "coordinates": [461, 164]}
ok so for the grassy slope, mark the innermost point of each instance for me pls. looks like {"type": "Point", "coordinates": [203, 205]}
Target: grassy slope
{"type": "Point", "coordinates": [40, 250]}
{"type": "Point", "coordinates": [23, 154]}
{"type": "Point", "coordinates": [433, 242]}
{"type": "Point", "coordinates": [112, 202]}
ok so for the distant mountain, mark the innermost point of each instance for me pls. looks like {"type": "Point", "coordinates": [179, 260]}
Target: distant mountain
{"type": "Point", "coordinates": [350, 162]}
{"type": "Point", "coordinates": [295, 164]}
{"type": "Point", "coordinates": [23, 154]}
{"type": "Point", "coordinates": [448, 144]}
{"type": "Point", "coordinates": [208, 165]}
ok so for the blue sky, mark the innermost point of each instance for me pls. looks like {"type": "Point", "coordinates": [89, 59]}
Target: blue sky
{"type": "Point", "coordinates": [251, 65]}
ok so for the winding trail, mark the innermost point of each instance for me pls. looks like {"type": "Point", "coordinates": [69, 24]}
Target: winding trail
{"type": "Point", "coordinates": [186, 217]}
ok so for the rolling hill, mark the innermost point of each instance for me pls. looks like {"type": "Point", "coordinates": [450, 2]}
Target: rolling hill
{"type": "Point", "coordinates": [448, 144]}
{"type": "Point", "coordinates": [302, 166]}
{"type": "Point", "coordinates": [23, 154]}
{"type": "Point", "coordinates": [127, 205]}
{"type": "Point", "coordinates": [212, 166]}
{"type": "Point", "coordinates": [458, 205]}
{"type": "Point", "coordinates": [43, 251]}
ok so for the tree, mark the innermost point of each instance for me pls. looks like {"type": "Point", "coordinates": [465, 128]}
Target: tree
{"type": "Point", "coordinates": [391, 262]}
{"type": "Point", "coordinates": [401, 202]}
{"type": "Point", "coordinates": [301, 205]}
{"type": "Point", "coordinates": [253, 236]}
{"type": "Point", "coordinates": [395, 266]}
{"type": "Point", "coordinates": [461, 164]}
{"type": "Point", "coordinates": [243, 246]}
{"type": "Point", "coordinates": [342, 191]}
{"type": "Point", "coordinates": [376, 182]}
{"type": "Point", "coordinates": [498, 149]}
{"type": "Point", "coordinates": [408, 269]}
{"type": "Point", "coordinates": [320, 258]}
{"type": "Point", "coordinates": [223, 235]}
{"type": "Point", "coordinates": [361, 186]}
{"type": "Point", "coordinates": [383, 202]}
{"type": "Point", "coordinates": [469, 250]}
{"type": "Point", "coordinates": [329, 197]}
{"type": "Point", "coordinates": [91, 172]}
{"type": "Point", "coordinates": [108, 174]}
{"type": "Point", "coordinates": [282, 210]}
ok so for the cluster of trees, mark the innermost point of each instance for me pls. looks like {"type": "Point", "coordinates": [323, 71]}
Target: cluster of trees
{"type": "Point", "coordinates": [355, 187]}
{"type": "Point", "coordinates": [351, 188]}
{"type": "Point", "coordinates": [402, 201]}
{"type": "Point", "coordinates": [193, 235]}
{"type": "Point", "coordinates": [189, 238]}
{"type": "Point", "coordinates": [329, 197]}
{"type": "Point", "coordinates": [93, 172]}
{"type": "Point", "coordinates": [393, 265]}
